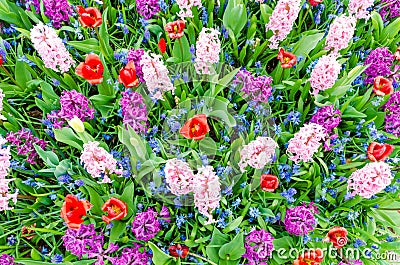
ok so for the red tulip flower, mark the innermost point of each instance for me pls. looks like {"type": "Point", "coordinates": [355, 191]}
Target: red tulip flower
{"type": "Point", "coordinates": [379, 152]}
{"type": "Point", "coordinates": [162, 45]}
{"type": "Point", "coordinates": [127, 75]}
{"type": "Point", "coordinates": [312, 257]}
{"type": "Point", "coordinates": [115, 208]}
{"type": "Point", "coordinates": [287, 59]}
{"type": "Point", "coordinates": [28, 232]}
{"type": "Point", "coordinates": [269, 182]}
{"type": "Point", "coordinates": [178, 250]}
{"type": "Point", "coordinates": [89, 17]}
{"type": "Point", "coordinates": [91, 70]}
{"type": "Point", "coordinates": [383, 86]}
{"type": "Point", "coordinates": [337, 236]}
{"type": "Point", "coordinates": [1, 60]}
{"type": "Point", "coordinates": [315, 2]}
{"type": "Point", "coordinates": [73, 210]}
{"type": "Point", "coordinates": [175, 29]}
{"type": "Point", "coordinates": [195, 128]}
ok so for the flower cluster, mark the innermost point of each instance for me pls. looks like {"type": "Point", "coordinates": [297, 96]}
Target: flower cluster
{"type": "Point", "coordinates": [206, 189]}
{"type": "Point", "coordinates": [185, 7]}
{"type": "Point", "coordinates": [392, 118]}
{"type": "Point", "coordinates": [257, 153]}
{"type": "Point", "coordinates": [390, 9]}
{"type": "Point", "coordinates": [179, 176]}
{"type": "Point", "coordinates": [145, 226]}
{"type": "Point", "coordinates": [24, 141]}
{"type": "Point", "coordinates": [328, 117]}
{"type": "Point", "coordinates": [73, 104]}
{"type": "Point", "coordinates": [57, 10]}
{"type": "Point", "coordinates": [258, 246]}
{"type": "Point", "coordinates": [325, 73]}
{"type": "Point", "coordinates": [281, 21]}
{"type": "Point", "coordinates": [132, 255]}
{"type": "Point", "coordinates": [359, 8]}
{"type": "Point", "coordinates": [147, 8]}
{"type": "Point", "coordinates": [306, 142]}
{"type": "Point", "coordinates": [155, 74]}
{"type": "Point", "coordinates": [258, 89]}
{"type": "Point", "coordinates": [6, 260]}
{"type": "Point", "coordinates": [135, 55]}
{"type": "Point", "coordinates": [98, 162]}
{"type": "Point", "coordinates": [370, 179]}
{"type": "Point", "coordinates": [5, 195]}
{"type": "Point", "coordinates": [208, 47]}
{"type": "Point", "coordinates": [85, 240]}
{"type": "Point", "coordinates": [379, 60]}
{"type": "Point", "coordinates": [340, 33]}
{"type": "Point", "coordinates": [50, 48]}
{"type": "Point", "coordinates": [134, 111]}
{"type": "Point", "coordinates": [300, 220]}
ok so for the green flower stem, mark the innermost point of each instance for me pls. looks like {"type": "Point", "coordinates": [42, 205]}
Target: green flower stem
{"type": "Point", "coordinates": [96, 29]}
{"type": "Point", "coordinates": [181, 46]}
{"type": "Point", "coordinates": [27, 197]}
{"type": "Point", "coordinates": [202, 258]}
{"type": "Point", "coordinates": [10, 76]}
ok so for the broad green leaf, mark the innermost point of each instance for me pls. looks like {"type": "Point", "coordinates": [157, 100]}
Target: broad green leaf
{"type": "Point", "coordinates": [234, 249]}
{"type": "Point", "coordinates": [159, 257]}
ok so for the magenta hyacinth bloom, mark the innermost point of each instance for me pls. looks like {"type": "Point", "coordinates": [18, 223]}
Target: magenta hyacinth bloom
{"type": "Point", "coordinates": [392, 118]}
{"type": "Point", "coordinates": [328, 117]}
{"type": "Point", "coordinates": [300, 220]}
{"type": "Point", "coordinates": [132, 255]}
{"type": "Point", "coordinates": [258, 246]}
{"type": "Point", "coordinates": [380, 60]}
{"type": "Point", "coordinates": [57, 10]}
{"type": "Point", "coordinates": [134, 111]}
{"type": "Point", "coordinates": [257, 88]}
{"type": "Point", "coordinates": [147, 8]}
{"type": "Point", "coordinates": [73, 104]}
{"type": "Point", "coordinates": [6, 260]}
{"type": "Point", "coordinates": [390, 9]}
{"type": "Point", "coordinates": [82, 241]}
{"type": "Point", "coordinates": [145, 226]}
{"type": "Point", "coordinates": [24, 141]}
{"type": "Point", "coordinates": [136, 56]}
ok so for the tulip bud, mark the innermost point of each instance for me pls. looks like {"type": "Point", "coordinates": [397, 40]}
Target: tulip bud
{"type": "Point", "coordinates": [77, 124]}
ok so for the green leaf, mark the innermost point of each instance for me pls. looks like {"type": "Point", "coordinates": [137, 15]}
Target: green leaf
{"type": "Point", "coordinates": [62, 168]}
{"type": "Point", "coordinates": [67, 136]}
{"type": "Point", "coordinates": [35, 254]}
{"type": "Point", "coordinates": [351, 112]}
{"type": "Point", "coordinates": [104, 38]}
{"type": "Point", "coordinates": [234, 249]}
{"type": "Point", "coordinates": [305, 45]}
{"type": "Point", "coordinates": [49, 157]}
{"type": "Point", "coordinates": [159, 257]}
{"type": "Point", "coordinates": [235, 16]}
{"type": "Point", "coordinates": [87, 46]}
{"type": "Point", "coordinates": [391, 30]}
{"type": "Point", "coordinates": [128, 197]}
{"type": "Point", "coordinates": [233, 225]}
{"type": "Point", "coordinates": [117, 230]}
{"type": "Point", "coordinates": [181, 50]}
{"type": "Point", "coordinates": [22, 75]}
{"type": "Point", "coordinates": [217, 240]}
{"type": "Point", "coordinates": [95, 200]}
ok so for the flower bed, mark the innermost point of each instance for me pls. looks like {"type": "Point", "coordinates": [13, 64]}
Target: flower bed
{"type": "Point", "coordinates": [199, 132]}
